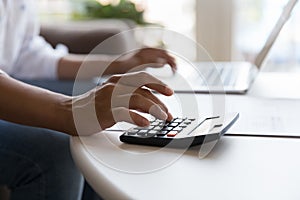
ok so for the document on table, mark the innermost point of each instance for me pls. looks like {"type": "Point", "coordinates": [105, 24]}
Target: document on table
{"type": "Point", "coordinates": [258, 116]}
{"type": "Point", "coordinates": [263, 116]}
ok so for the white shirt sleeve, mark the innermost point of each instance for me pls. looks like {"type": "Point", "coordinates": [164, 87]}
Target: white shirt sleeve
{"type": "Point", "coordinates": [37, 58]}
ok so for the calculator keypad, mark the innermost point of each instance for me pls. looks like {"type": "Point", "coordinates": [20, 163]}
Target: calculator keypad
{"type": "Point", "coordinates": [180, 132]}
{"type": "Point", "coordinates": [160, 128]}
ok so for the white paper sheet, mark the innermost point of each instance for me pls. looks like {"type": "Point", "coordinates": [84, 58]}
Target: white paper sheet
{"type": "Point", "coordinates": [265, 116]}
{"type": "Point", "coordinates": [258, 116]}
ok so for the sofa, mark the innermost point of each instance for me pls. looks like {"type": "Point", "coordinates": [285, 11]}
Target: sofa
{"type": "Point", "coordinates": [81, 37]}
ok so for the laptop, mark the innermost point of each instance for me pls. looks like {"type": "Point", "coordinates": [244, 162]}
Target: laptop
{"type": "Point", "coordinates": [220, 77]}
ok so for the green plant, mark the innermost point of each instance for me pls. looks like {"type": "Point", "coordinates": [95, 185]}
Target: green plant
{"type": "Point", "coordinates": [125, 9]}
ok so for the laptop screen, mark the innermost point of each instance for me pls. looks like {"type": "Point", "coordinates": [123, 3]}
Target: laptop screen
{"type": "Point", "coordinates": [286, 13]}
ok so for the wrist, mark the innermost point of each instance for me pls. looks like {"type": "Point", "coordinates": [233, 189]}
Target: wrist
{"type": "Point", "coordinates": [65, 116]}
{"type": "Point", "coordinates": [130, 65]}
{"type": "Point", "coordinates": [118, 67]}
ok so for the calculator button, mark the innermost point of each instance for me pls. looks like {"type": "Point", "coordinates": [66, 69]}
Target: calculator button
{"type": "Point", "coordinates": [149, 127]}
{"type": "Point", "coordinates": [144, 128]}
{"type": "Point", "coordinates": [133, 130]}
{"type": "Point", "coordinates": [216, 126]}
{"type": "Point", "coordinates": [157, 128]}
{"type": "Point", "coordinates": [152, 120]}
{"type": "Point", "coordinates": [152, 132]}
{"type": "Point", "coordinates": [173, 124]}
{"type": "Point", "coordinates": [172, 133]}
{"type": "Point", "coordinates": [162, 133]}
{"type": "Point", "coordinates": [155, 123]}
{"type": "Point", "coordinates": [166, 128]}
{"type": "Point", "coordinates": [161, 124]}
{"type": "Point", "coordinates": [178, 120]}
{"type": "Point", "coordinates": [215, 117]}
{"type": "Point", "coordinates": [142, 132]}
{"type": "Point", "coordinates": [131, 133]}
{"type": "Point", "coordinates": [179, 129]}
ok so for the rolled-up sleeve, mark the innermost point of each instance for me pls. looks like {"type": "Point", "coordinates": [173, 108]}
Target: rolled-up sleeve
{"type": "Point", "coordinates": [36, 59]}
{"type": "Point", "coordinates": [2, 73]}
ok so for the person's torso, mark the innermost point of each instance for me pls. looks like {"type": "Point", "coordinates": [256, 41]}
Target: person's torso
{"type": "Point", "coordinates": [14, 16]}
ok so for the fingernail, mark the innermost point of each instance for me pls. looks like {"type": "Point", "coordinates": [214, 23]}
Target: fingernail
{"type": "Point", "coordinates": [168, 90]}
{"type": "Point", "coordinates": [170, 116]}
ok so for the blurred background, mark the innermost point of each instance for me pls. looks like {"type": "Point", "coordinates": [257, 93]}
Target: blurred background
{"type": "Point", "coordinates": [228, 29]}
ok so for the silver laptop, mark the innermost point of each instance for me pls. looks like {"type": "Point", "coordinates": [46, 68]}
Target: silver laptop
{"type": "Point", "coordinates": [220, 77]}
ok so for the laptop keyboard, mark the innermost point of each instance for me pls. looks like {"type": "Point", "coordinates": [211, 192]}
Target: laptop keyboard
{"type": "Point", "coordinates": [226, 74]}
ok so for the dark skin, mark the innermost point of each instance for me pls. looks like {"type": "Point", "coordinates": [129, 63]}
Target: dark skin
{"type": "Point", "coordinates": [95, 65]}
{"type": "Point", "coordinates": [115, 101]}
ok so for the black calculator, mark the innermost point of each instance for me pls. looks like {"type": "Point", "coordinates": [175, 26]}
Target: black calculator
{"type": "Point", "coordinates": [180, 132]}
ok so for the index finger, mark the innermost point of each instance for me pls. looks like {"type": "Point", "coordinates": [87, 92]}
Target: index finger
{"type": "Point", "coordinates": [169, 59]}
{"type": "Point", "coordinates": [162, 53]}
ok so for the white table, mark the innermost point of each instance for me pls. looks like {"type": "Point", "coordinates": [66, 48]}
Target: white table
{"type": "Point", "coordinates": [276, 85]}
{"type": "Point", "coordinates": [237, 168]}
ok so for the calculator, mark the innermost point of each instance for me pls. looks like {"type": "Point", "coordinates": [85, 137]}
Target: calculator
{"type": "Point", "coordinates": [181, 132]}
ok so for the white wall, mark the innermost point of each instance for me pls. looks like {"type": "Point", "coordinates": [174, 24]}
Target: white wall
{"type": "Point", "coordinates": [214, 28]}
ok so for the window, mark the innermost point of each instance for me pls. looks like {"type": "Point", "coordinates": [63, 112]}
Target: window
{"type": "Point", "coordinates": [54, 9]}
{"type": "Point", "coordinates": [176, 15]}
{"type": "Point", "coordinates": [253, 21]}
{"type": "Point", "coordinates": [228, 29]}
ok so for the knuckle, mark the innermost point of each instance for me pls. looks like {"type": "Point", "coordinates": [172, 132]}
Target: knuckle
{"type": "Point", "coordinates": [147, 92]}
{"type": "Point", "coordinates": [144, 74]}
{"type": "Point", "coordinates": [113, 79]}
{"type": "Point", "coordinates": [109, 87]}
{"type": "Point", "coordinates": [121, 111]}
{"type": "Point", "coordinates": [136, 98]}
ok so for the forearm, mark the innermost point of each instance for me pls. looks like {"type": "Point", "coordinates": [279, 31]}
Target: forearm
{"type": "Point", "coordinates": [29, 105]}
{"type": "Point", "coordinates": [85, 67]}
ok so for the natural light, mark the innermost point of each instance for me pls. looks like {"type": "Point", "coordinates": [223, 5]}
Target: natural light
{"type": "Point", "coordinates": [252, 19]}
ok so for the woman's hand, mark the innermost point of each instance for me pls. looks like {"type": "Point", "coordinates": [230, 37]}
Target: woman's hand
{"type": "Point", "coordinates": [117, 100]}
{"type": "Point", "coordinates": [149, 57]}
